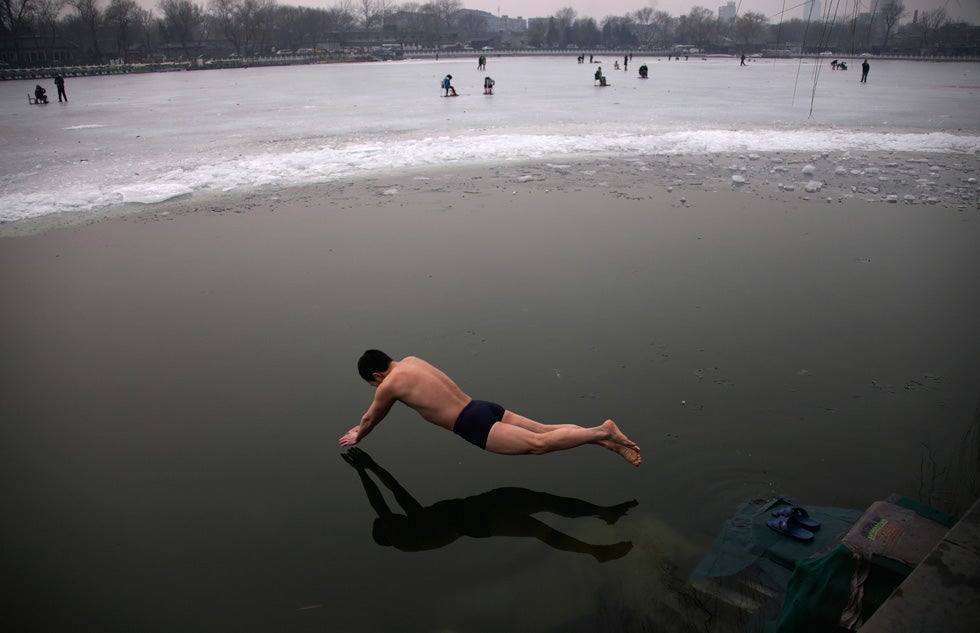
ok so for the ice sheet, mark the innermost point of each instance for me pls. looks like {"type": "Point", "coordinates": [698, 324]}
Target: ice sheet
{"type": "Point", "coordinates": [148, 138]}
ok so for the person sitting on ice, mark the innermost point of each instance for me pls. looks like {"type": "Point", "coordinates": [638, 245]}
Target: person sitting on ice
{"type": "Point", "coordinates": [600, 77]}
{"type": "Point", "coordinates": [40, 94]}
{"type": "Point", "coordinates": [447, 85]}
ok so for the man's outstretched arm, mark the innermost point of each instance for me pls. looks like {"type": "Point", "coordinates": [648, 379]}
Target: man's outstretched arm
{"type": "Point", "coordinates": [383, 401]}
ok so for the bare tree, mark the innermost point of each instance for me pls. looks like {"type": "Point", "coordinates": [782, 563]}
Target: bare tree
{"type": "Point", "coordinates": [891, 12]}
{"type": "Point", "coordinates": [288, 28]}
{"type": "Point", "coordinates": [341, 16]}
{"type": "Point", "coordinates": [183, 20]}
{"type": "Point", "coordinates": [14, 13]}
{"type": "Point", "coordinates": [367, 11]}
{"type": "Point", "coordinates": [699, 26]}
{"type": "Point", "coordinates": [263, 23]}
{"type": "Point", "coordinates": [560, 26]}
{"type": "Point", "coordinates": [46, 17]}
{"type": "Point", "coordinates": [930, 22]}
{"type": "Point", "coordinates": [442, 10]}
{"type": "Point", "coordinates": [585, 32]}
{"type": "Point", "coordinates": [663, 24]}
{"type": "Point", "coordinates": [247, 16]}
{"type": "Point", "coordinates": [618, 31]}
{"type": "Point", "coordinates": [383, 8]}
{"type": "Point", "coordinates": [90, 16]}
{"type": "Point", "coordinates": [224, 15]}
{"type": "Point", "coordinates": [644, 15]}
{"type": "Point", "coordinates": [565, 16]}
{"type": "Point", "coordinates": [749, 30]}
{"type": "Point", "coordinates": [15, 16]}
{"type": "Point", "coordinates": [122, 16]}
{"type": "Point", "coordinates": [246, 24]}
{"type": "Point", "coordinates": [144, 21]}
{"type": "Point", "coordinates": [644, 25]}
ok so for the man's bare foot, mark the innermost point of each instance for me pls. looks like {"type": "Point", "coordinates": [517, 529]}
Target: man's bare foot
{"type": "Point", "coordinates": [630, 455]}
{"type": "Point", "coordinates": [618, 436]}
{"type": "Point", "coordinates": [619, 443]}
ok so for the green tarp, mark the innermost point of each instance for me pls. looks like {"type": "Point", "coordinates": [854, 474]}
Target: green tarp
{"type": "Point", "coordinates": [785, 586]}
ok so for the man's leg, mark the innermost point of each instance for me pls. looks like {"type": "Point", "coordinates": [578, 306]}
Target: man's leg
{"type": "Point", "coordinates": [518, 435]}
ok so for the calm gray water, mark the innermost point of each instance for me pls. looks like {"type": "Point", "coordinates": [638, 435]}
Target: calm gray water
{"type": "Point", "coordinates": [173, 398]}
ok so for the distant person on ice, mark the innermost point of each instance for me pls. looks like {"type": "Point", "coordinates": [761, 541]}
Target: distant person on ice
{"type": "Point", "coordinates": [447, 85]}
{"type": "Point", "coordinates": [488, 85]}
{"type": "Point", "coordinates": [865, 67]}
{"type": "Point", "coordinates": [59, 82]}
{"type": "Point", "coordinates": [600, 77]}
{"type": "Point", "coordinates": [439, 400]}
{"type": "Point", "coordinates": [40, 94]}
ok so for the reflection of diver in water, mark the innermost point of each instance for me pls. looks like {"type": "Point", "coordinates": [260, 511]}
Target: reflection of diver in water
{"type": "Point", "coordinates": [500, 512]}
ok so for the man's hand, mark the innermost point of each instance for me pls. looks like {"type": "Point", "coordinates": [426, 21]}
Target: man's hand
{"type": "Point", "coordinates": [350, 437]}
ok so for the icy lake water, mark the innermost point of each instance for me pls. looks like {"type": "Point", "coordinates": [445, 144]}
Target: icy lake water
{"type": "Point", "coordinates": [148, 138]}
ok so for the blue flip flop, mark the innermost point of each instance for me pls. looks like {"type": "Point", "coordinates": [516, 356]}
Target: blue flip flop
{"type": "Point", "coordinates": [800, 515]}
{"type": "Point", "coordinates": [788, 526]}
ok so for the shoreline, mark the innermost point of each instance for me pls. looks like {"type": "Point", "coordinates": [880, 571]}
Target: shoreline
{"type": "Point", "coordinates": [908, 178]}
{"type": "Point", "coordinates": [80, 71]}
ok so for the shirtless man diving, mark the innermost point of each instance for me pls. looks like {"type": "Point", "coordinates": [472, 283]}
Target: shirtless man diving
{"type": "Point", "coordinates": [439, 400]}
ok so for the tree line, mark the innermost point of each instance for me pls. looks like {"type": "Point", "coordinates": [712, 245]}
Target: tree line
{"type": "Point", "coordinates": [45, 32]}
{"type": "Point", "coordinates": [933, 33]}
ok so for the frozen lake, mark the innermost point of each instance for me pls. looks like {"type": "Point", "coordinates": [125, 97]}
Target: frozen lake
{"type": "Point", "coordinates": [149, 138]}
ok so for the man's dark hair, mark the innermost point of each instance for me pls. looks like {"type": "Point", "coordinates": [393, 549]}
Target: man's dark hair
{"type": "Point", "coordinates": [371, 362]}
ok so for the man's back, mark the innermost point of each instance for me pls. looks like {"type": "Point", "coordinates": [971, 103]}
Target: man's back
{"type": "Point", "coordinates": [428, 390]}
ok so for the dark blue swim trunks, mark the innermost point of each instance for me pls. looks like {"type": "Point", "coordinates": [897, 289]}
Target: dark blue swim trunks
{"type": "Point", "coordinates": [475, 420]}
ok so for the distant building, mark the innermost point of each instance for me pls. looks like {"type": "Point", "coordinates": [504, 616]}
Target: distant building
{"type": "Point", "coordinates": [812, 11]}
{"type": "Point", "coordinates": [492, 23]}
{"type": "Point", "coordinates": [727, 12]}
{"type": "Point", "coordinates": [540, 22]}
{"type": "Point", "coordinates": [513, 25]}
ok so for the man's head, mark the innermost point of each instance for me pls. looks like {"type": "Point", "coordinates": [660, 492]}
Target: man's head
{"type": "Point", "coordinates": [372, 362]}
